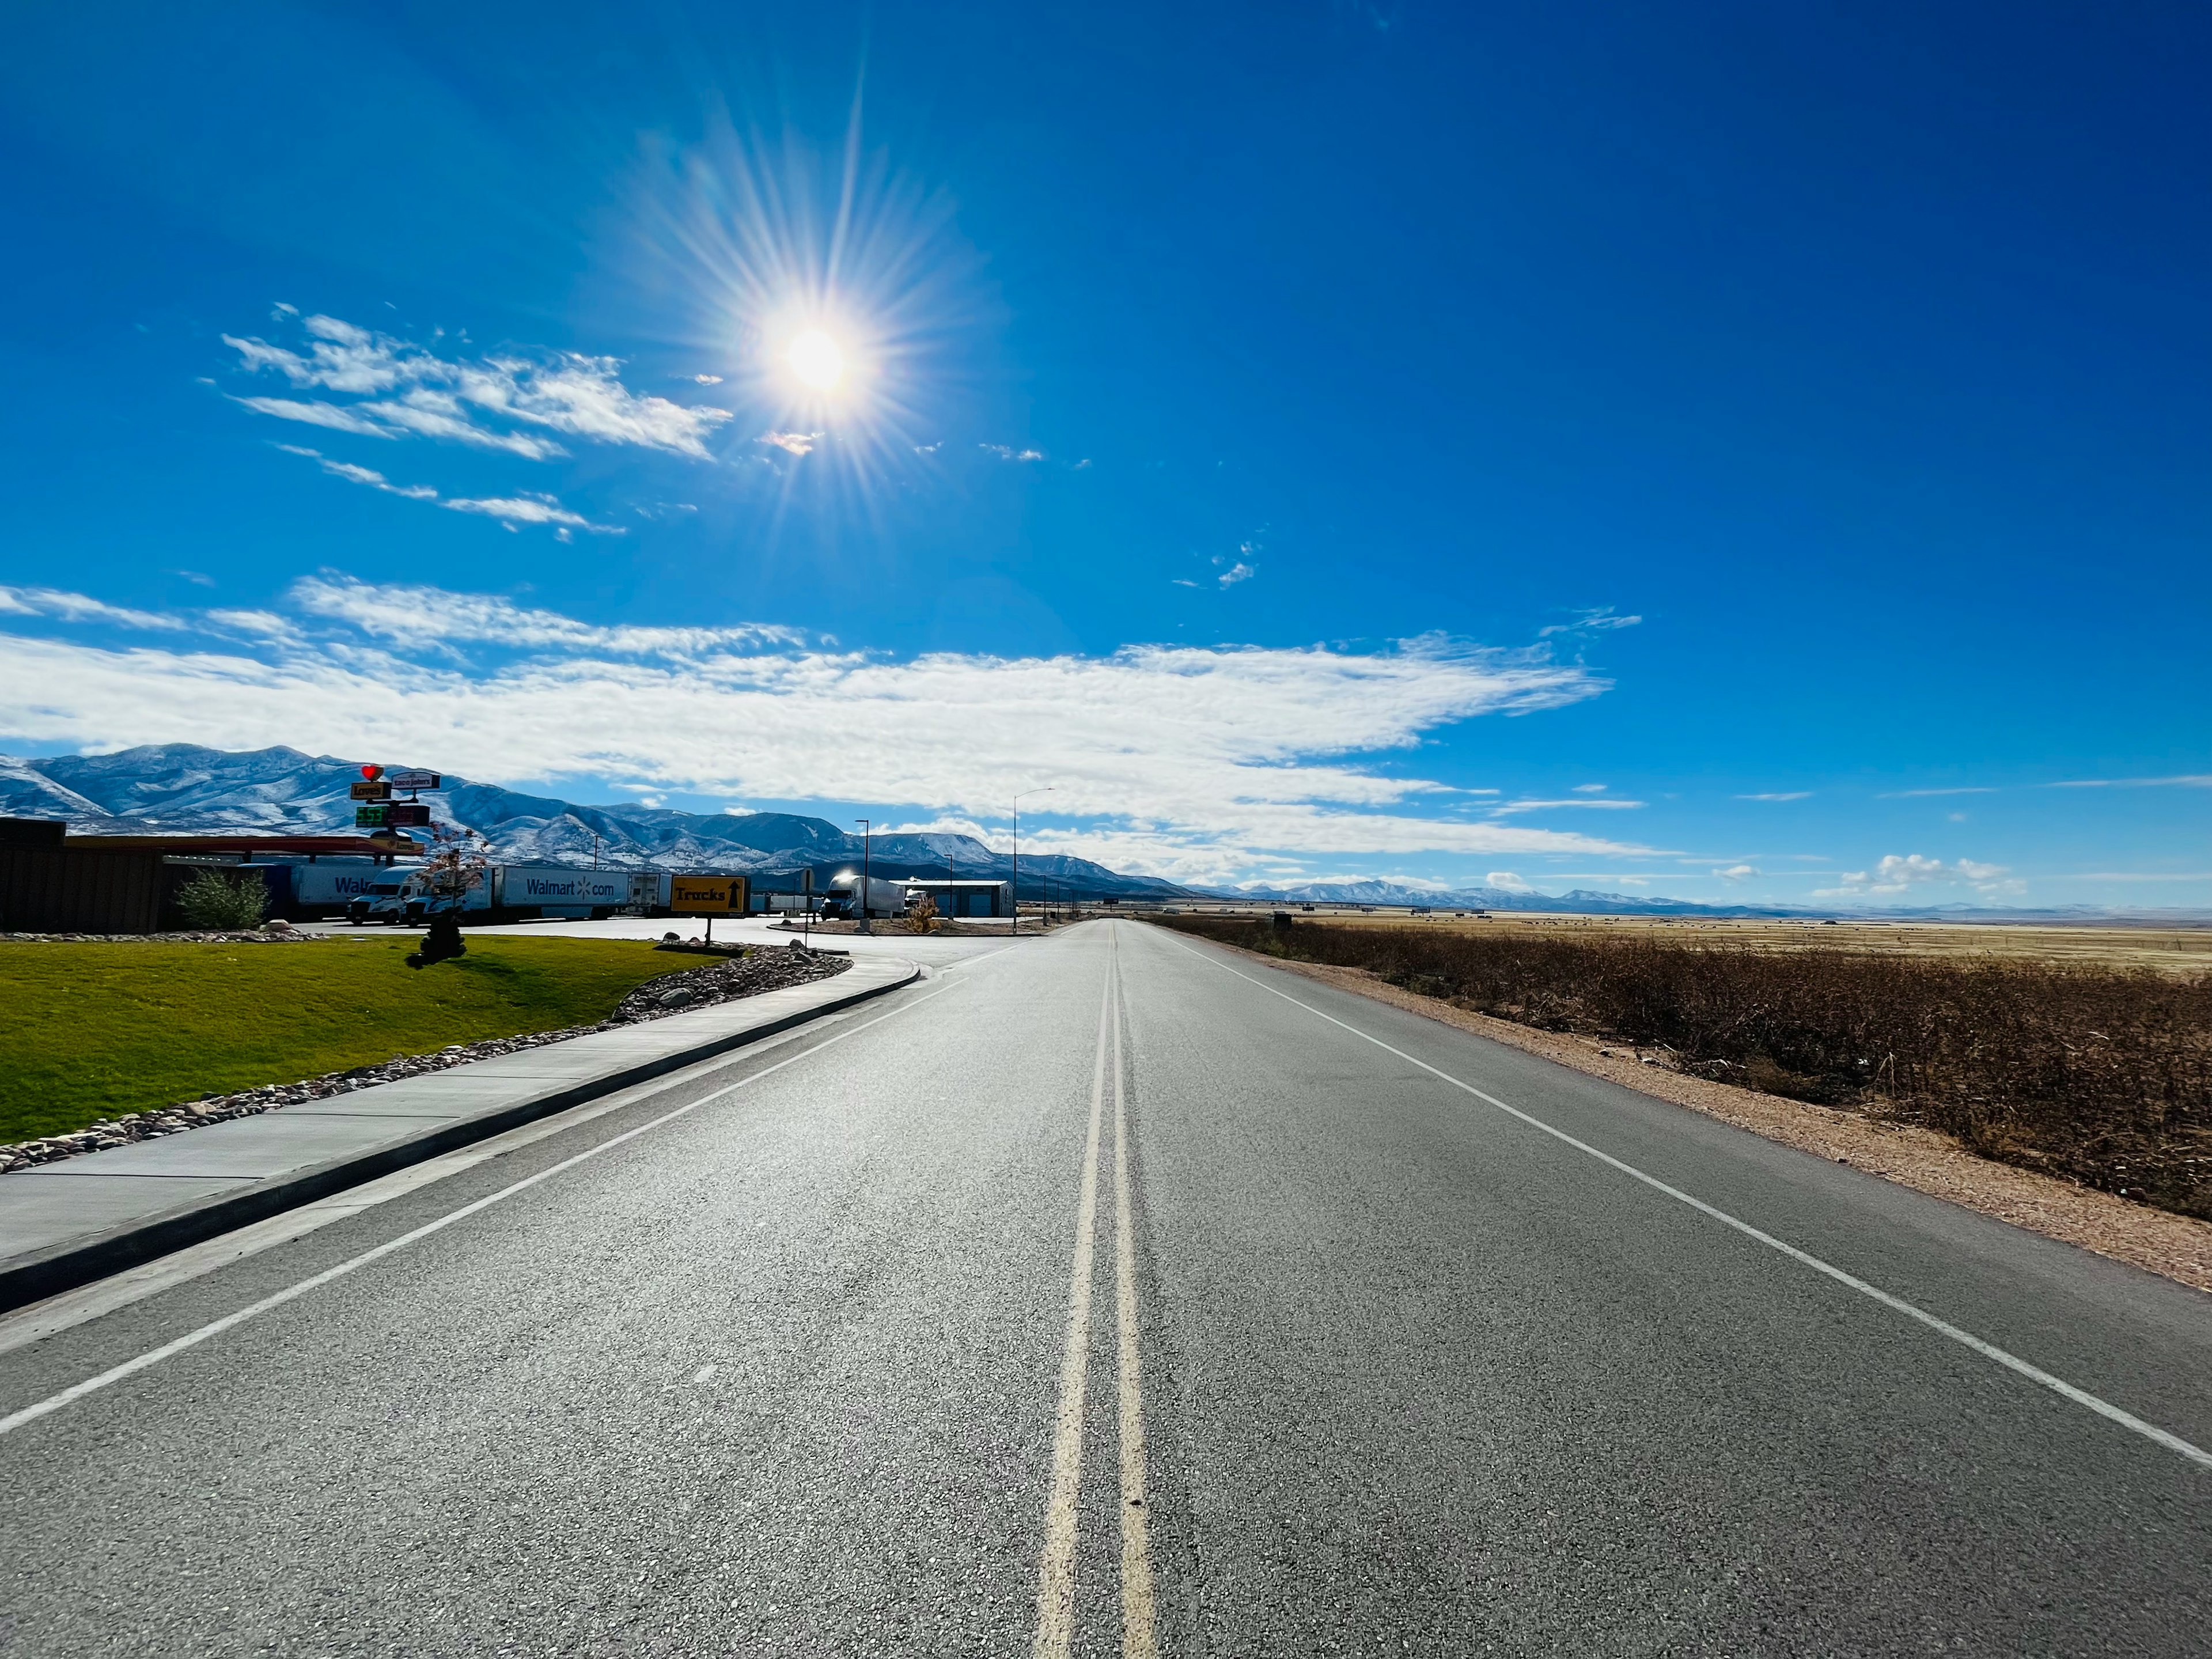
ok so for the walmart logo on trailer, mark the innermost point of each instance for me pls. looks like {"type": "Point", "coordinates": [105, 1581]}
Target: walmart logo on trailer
{"type": "Point", "coordinates": [576, 890]}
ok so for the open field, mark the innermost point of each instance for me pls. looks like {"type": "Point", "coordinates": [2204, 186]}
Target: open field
{"type": "Point", "coordinates": [91, 1030]}
{"type": "Point", "coordinates": [2093, 1072]}
{"type": "Point", "coordinates": [2165, 950]}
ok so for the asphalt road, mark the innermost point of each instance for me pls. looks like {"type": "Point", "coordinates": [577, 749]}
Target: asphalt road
{"type": "Point", "coordinates": [879, 1341]}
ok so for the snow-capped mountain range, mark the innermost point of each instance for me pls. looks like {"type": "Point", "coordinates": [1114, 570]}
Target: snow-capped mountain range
{"type": "Point", "coordinates": [183, 789]}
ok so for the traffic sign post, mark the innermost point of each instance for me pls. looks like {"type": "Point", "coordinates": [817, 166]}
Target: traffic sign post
{"type": "Point", "coordinates": [376, 810]}
{"type": "Point", "coordinates": [707, 896]}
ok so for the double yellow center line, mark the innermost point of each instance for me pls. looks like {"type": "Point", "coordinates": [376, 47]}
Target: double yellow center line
{"type": "Point", "coordinates": [1055, 1630]}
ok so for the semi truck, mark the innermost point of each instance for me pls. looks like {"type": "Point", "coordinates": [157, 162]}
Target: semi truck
{"type": "Point", "coordinates": [404, 898]}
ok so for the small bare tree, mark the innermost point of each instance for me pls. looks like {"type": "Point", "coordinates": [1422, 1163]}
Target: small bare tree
{"type": "Point", "coordinates": [921, 915]}
{"type": "Point", "coordinates": [456, 866]}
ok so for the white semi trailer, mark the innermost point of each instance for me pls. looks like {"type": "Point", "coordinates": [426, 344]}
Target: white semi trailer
{"type": "Point", "coordinates": [552, 889]}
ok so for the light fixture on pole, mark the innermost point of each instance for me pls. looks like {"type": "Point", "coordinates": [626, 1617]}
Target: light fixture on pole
{"type": "Point", "coordinates": [1045, 790]}
{"type": "Point", "coordinates": [867, 832]}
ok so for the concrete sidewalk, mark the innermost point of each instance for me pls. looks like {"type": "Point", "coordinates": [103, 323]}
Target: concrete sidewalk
{"type": "Point", "coordinates": [63, 1224]}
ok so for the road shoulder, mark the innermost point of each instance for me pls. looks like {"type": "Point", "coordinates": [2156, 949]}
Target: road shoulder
{"type": "Point", "coordinates": [2173, 1246]}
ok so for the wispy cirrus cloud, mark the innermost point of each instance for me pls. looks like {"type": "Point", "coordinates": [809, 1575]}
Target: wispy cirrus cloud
{"type": "Point", "coordinates": [1598, 621]}
{"type": "Point", "coordinates": [1008, 452]}
{"type": "Point", "coordinates": [512, 510]}
{"type": "Point", "coordinates": [1586, 802]}
{"type": "Point", "coordinates": [1930, 794]}
{"type": "Point", "coordinates": [1185, 761]}
{"type": "Point", "coordinates": [1780, 794]}
{"type": "Point", "coordinates": [64, 606]}
{"type": "Point", "coordinates": [361, 475]}
{"type": "Point", "coordinates": [792, 443]}
{"type": "Point", "coordinates": [403, 613]}
{"type": "Point", "coordinates": [2186, 780]}
{"type": "Point", "coordinates": [529, 507]}
{"type": "Point", "coordinates": [508, 402]}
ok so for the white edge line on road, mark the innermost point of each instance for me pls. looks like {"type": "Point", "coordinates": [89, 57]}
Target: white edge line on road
{"type": "Point", "coordinates": [153, 1357]}
{"type": "Point", "coordinates": [2035, 1374]}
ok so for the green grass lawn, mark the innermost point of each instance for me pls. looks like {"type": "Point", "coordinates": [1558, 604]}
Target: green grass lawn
{"type": "Point", "coordinates": [92, 1030]}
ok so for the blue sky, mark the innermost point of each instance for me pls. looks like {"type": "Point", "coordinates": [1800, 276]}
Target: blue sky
{"type": "Point", "coordinates": [1735, 451]}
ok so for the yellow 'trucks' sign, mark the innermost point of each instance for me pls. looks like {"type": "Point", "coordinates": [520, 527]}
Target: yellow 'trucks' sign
{"type": "Point", "coordinates": [707, 896]}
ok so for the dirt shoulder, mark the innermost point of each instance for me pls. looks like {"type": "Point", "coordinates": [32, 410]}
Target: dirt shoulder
{"type": "Point", "coordinates": [2174, 1246]}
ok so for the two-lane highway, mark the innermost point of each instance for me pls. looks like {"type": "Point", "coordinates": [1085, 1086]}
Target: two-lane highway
{"type": "Point", "coordinates": [1110, 1293]}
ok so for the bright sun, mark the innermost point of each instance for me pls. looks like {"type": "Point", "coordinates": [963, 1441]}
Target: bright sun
{"type": "Point", "coordinates": [817, 360]}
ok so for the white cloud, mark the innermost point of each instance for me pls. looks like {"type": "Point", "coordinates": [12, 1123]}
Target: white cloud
{"type": "Point", "coordinates": [64, 606]}
{"type": "Point", "coordinates": [327, 414]}
{"type": "Point", "coordinates": [1738, 873]}
{"type": "Point", "coordinates": [531, 507]}
{"type": "Point", "coordinates": [1173, 759]}
{"type": "Point", "coordinates": [410, 389]}
{"type": "Point", "coordinates": [1239, 571]}
{"type": "Point", "coordinates": [1615, 805]}
{"type": "Point", "coordinates": [361, 475]}
{"type": "Point", "coordinates": [1923, 794]}
{"type": "Point", "coordinates": [1781, 794]}
{"type": "Point", "coordinates": [435, 415]}
{"type": "Point", "coordinates": [1005, 453]}
{"type": "Point", "coordinates": [707, 380]}
{"type": "Point", "coordinates": [2187, 781]}
{"type": "Point", "coordinates": [1901, 872]}
{"type": "Point", "coordinates": [1508, 880]}
{"type": "Point", "coordinates": [1589, 622]}
{"type": "Point", "coordinates": [793, 443]}
{"type": "Point", "coordinates": [257, 624]}
{"type": "Point", "coordinates": [529, 510]}
{"type": "Point", "coordinates": [1590, 789]}
{"type": "Point", "coordinates": [402, 613]}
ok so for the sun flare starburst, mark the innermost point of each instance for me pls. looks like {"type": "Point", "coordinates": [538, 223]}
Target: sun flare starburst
{"type": "Point", "coordinates": [816, 360]}
{"type": "Point", "coordinates": [834, 293]}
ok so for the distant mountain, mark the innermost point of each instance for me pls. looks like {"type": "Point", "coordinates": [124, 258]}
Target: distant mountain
{"type": "Point", "coordinates": [180, 788]}
{"type": "Point", "coordinates": [183, 789]}
{"type": "Point", "coordinates": [1389, 893]}
{"type": "Point", "coordinates": [1580, 900]}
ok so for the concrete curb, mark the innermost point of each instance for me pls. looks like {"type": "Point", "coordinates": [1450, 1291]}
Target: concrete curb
{"type": "Point", "coordinates": [34, 1274]}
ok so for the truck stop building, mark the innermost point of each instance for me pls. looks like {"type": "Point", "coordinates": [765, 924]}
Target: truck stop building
{"type": "Point", "coordinates": [52, 882]}
{"type": "Point", "coordinates": [963, 898]}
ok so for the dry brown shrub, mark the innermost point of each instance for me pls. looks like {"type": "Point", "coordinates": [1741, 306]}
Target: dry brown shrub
{"type": "Point", "coordinates": [2102, 1075]}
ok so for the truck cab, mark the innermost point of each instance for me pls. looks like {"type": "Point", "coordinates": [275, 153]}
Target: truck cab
{"type": "Point", "coordinates": [385, 902]}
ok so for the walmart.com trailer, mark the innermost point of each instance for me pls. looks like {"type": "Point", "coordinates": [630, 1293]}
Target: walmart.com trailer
{"type": "Point", "coordinates": [553, 889]}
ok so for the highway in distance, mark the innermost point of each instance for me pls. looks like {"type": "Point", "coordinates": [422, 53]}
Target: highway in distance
{"type": "Point", "coordinates": [1113, 1294]}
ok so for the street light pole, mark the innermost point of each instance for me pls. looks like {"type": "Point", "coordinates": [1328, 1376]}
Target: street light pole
{"type": "Point", "coordinates": [1045, 790]}
{"type": "Point", "coordinates": [867, 833]}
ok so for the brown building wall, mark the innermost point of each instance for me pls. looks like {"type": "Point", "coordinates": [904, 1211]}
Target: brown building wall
{"type": "Point", "coordinates": [50, 890]}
